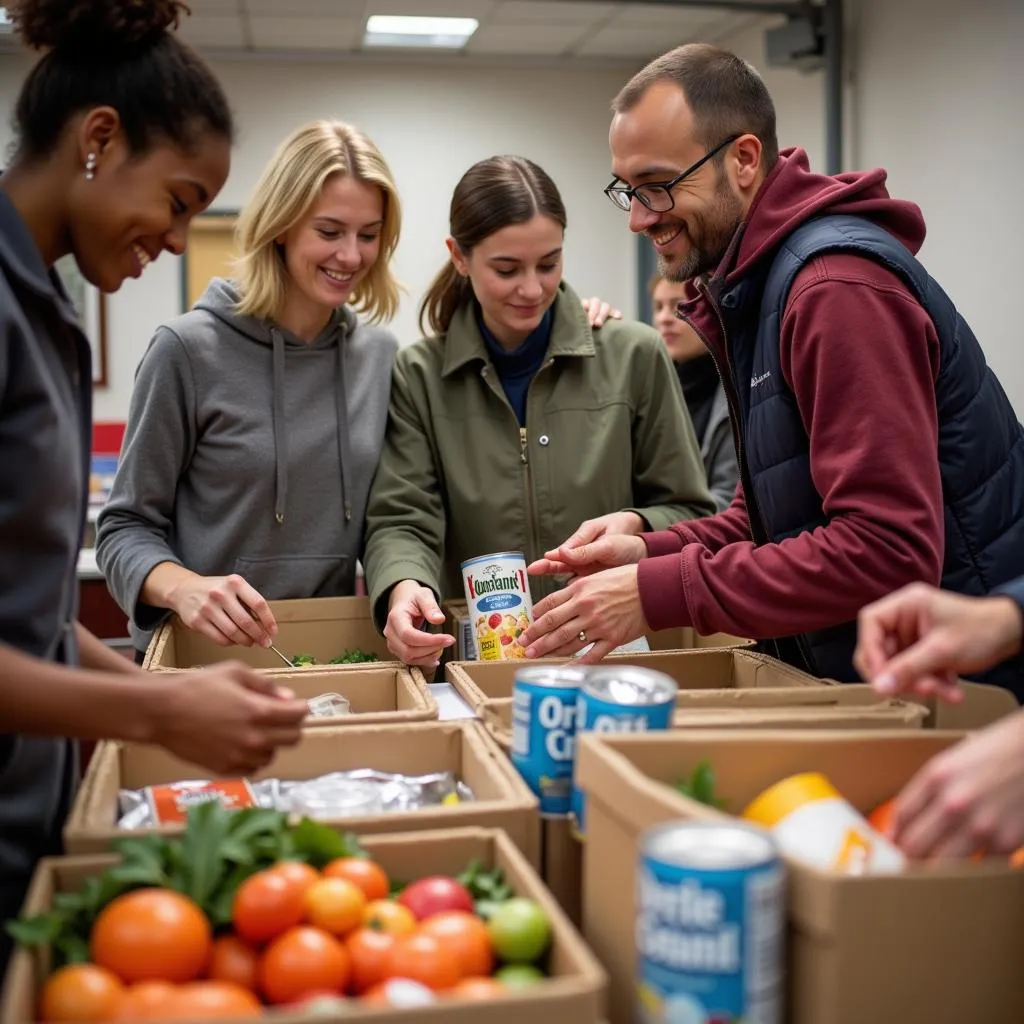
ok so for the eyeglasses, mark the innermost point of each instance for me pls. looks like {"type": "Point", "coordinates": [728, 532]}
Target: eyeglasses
{"type": "Point", "coordinates": [657, 195]}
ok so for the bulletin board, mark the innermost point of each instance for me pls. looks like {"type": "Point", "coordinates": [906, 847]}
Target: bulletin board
{"type": "Point", "coordinates": [208, 254]}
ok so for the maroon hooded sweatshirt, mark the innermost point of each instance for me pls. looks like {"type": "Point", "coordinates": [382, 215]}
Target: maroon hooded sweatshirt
{"type": "Point", "coordinates": [861, 356]}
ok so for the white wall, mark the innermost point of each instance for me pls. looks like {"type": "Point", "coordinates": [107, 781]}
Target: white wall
{"type": "Point", "coordinates": [431, 123]}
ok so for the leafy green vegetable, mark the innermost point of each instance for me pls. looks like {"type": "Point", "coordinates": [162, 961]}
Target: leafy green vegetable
{"type": "Point", "coordinates": [217, 852]}
{"type": "Point", "coordinates": [303, 659]}
{"type": "Point", "coordinates": [353, 657]}
{"type": "Point", "coordinates": [700, 786]}
{"type": "Point", "coordinates": [488, 888]}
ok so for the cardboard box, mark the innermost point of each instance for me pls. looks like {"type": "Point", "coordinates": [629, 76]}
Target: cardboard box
{"type": "Point", "coordinates": [378, 694]}
{"type": "Point", "coordinates": [457, 624]}
{"type": "Point", "coordinates": [501, 798]}
{"type": "Point", "coordinates": [321, 626]}
{"type": "Point", "coordinates": [938, 944]}
{"type": "Point", "coordinates": [562, 866]}
{"type": "Point", "coordinates": [717, 669]}
{"type": "Point", "coordinates": [574, 993]}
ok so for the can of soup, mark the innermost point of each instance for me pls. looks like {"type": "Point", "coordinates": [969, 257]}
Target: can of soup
{"type": "Point", "coordinates": [544, 732]}
{"type": "Point", "coordinates": [621, 699]}
{"type": "Point", "coordinates": [500, 610]}
{"type": "Point", "coordinates": [709, 925]}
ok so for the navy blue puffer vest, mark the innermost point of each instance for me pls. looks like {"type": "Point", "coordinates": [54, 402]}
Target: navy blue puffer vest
{"type": "Point", "coordinates": [981, 442]}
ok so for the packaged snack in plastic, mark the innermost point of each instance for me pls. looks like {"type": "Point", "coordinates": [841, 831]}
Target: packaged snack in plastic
{"type": "Point", "coordinates": [328, 705]}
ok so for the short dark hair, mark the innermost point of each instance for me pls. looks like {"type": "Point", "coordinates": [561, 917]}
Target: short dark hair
{"type": "Point", "coordinates": [117, 53]}
{"type": "Point", "coordinates": [491, 195]}
{"type": "Point", "coordinates": [727, 96]}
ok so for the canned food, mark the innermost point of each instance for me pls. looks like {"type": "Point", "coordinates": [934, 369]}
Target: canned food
{"type": "Point", "coordinates": [621, 699]}
{"type": "Point", "coordinates": [710, 925]}
{"type": "Point", "coordinates": [500, 610]}
{"type": "Point", "coordinates": [544, 732]}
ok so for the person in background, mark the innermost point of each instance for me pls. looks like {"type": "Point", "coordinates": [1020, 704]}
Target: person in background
{"type": "Point", "coordinates": [257, 418]}
{"type": "Point", "coordinates": [517, 419]}
{"type": "Point", "coordinates": [702, 389]}
{"type": "Point", "coordinates": [123, 135]}
{"type": "Point", "coordinates": [919, 640]}
{"type": "Point", "coordinates": [876, 446]}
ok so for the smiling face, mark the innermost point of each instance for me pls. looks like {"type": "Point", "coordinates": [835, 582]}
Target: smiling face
{"type": "Point", "coordinates": [136, 206]}
{"type": "Point", "coordinates": [515, 273]}
{"type": "Point", "coordinates": [333, 247]}
{"type": "Point", "coordinates": [656, 140]}
{"type": "Point", "coordinates": [680, 338]}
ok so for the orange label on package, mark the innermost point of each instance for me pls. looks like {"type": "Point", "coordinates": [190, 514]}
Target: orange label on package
{"type": "Point", "coordinates": [170, 804]}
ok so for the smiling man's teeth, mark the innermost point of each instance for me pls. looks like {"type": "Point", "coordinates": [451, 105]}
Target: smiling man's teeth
{"type": "Point", "coordinates": [335, 276]}
{"type": "Point", "coordinates": [664, 237]}
{"type": "Point", "coordinates": [141, 255]}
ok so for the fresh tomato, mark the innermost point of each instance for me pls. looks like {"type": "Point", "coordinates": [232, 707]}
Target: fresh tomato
{"type": "Point", "coordinates": [367, 874]}
{"type": "Point", "coordinates": [334, 904]}
{"type": "Point", "coordinates": [520, 930]}
{"type": "Point", "coordinates": [267, 904]}
{"type": "Point", "coordinates": [399, 992]}
{"type": "Point", "coordinates": [297, 872]}
{"type": "Point", "coordinates": [301, 961]}
{"type": "Point", "coordinates": [152, 935]}
{"type": "Point", "coordinates": [212, 1000]}
{"type": "Point", "coordinates": [369, 953]}
{"type": "Point", "coordinates": [424, 958]}
{"type": "Point", "coordinates": [432, 895]}
{"type": "Point", "coordinates": [235, 961]}
{"type": "Point", "coordinates": [144, 1001]}
{"type": "Point", "coordinates": [478, 989]}
{"type": "Point", "coordinates": [389, 916]}
{"type": "Point", "coordinates": [81, 992]}
{"type": "Point", "coordinates": [466, 935]}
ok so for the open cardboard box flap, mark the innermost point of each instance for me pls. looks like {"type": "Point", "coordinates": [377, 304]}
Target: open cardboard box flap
{"type": "Point", "coordinates": [321, 626]}
{"type": "Point", "coordinates": [574, 994]}
{"type": "Point", "coordinates": [501, 797]}
{"type": "Point", "coordinates": [873, 948]}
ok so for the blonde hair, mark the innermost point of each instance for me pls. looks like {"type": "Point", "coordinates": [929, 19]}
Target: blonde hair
{"type": "Point", "coordinates": [289, 186]}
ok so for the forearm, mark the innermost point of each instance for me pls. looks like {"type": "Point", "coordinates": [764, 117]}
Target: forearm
{"type": "Point", "coordinates": [40, 698]}
{"type": "Point", "coordinates": [94, 654]}
{"type": "Point", "coordinates": [159, 587]}
{"type": "Point", "coordinates": [712, 532]}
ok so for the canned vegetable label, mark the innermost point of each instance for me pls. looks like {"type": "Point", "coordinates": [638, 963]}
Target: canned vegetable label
{"type": "Point", "coordinates": [500, 610]}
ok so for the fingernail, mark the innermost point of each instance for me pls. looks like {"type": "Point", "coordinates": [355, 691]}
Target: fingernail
{"type": "Point", "coordinates": [268, 641]}
{"type": "Point", "coordinates": [886, 683]}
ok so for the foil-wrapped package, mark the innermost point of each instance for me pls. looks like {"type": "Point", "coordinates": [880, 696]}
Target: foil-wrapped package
{"type": "Point", "coordinates": [347, 794]}
{"type": "Point", "coordinates": [328, 705]}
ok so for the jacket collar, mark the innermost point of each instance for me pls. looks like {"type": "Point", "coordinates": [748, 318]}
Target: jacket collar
{"type": "Point", "coordinates": [570, 334]}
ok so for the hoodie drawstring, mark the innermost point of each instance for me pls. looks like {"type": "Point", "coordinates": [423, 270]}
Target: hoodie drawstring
{"type": "Point", "coordinates": [344, 447]}
{"type": "Point", "coordinates": [280, 427]}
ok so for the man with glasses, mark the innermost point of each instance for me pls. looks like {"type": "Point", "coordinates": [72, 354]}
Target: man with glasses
{"type": "Point", "coordinates": [875, 446]}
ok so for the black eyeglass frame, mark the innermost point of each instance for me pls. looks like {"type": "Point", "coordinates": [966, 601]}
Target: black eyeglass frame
{"type": "Point", "coordinates": [614, 191]}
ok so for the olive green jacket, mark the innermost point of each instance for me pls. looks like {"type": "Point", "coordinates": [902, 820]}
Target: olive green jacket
{"type": "Point", "coordinates": [606, 429]}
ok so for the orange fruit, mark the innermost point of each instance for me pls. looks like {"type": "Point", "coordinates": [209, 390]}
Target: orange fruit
{"type": "Point", "coordinates": [267, 904]}
{"type": "Point", "coordinates": [80, 992]}
{"type": "Point", "coordinates": [421, 957]}
{"type": "Point", "coordinates": [367, 874]}
{"type": "Point", "coordinates": [389, 916]}
{"type": "Point", "coordinates": [301, 961]}
{"type": "Point", "coordinates": [466, 936]}
{"type": "Point", "coordinates": [152, 935]}
{"type": "Point", "coordinates": [1017, 858]}
{"type": "Point", "coordinates": [334, 904]}
{"type": "Point", "coordinates": [235, 961]}
{"type": "Point", "coordinates": [213, 1000]}
{"type": "Point", "coordinates": [478, 988]}
{"type": "Point", "coordinates": [297, 872]}
{"type": "Point", "coordinates": [369, 953]}
{"type": "Point", "coordinates": [145, 1001]}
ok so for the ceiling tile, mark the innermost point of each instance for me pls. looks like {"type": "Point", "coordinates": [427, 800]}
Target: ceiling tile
{"type": "Point", "coordinates": [294, 33]}
{"type": "Point", "coordinates": [214, 30]}
{"type": "Point", "coordinates": [515, 12]}
{"type": "Point", "coordinates": [200, 8]}
{"type": "Point", "coordinates": [479, 9]}
{"type": "Point", "coordinates": [525, 39]}
{"type": "Point", "coordinates": [306, 8]}
{"type": "Point", "coordinates": [661, 16]}
{"type": "Point", "coordinates": [632, 42]}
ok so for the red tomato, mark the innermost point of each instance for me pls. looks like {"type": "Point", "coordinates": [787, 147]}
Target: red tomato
{"type": "Point", "coordinates": [880, 819]}
{"type": "Point", "coordinates": [466, 935]}
{"type": "Point", "coordinates": [369, 953]}
{"type": "Point", "coordinates": [302, 961]}
{"type": "Point", "coordinates": [432, 895]}
{"type": "Point", "coordinates": [267, 904]}
{"type": "Point", "coordinates": [423, 958]}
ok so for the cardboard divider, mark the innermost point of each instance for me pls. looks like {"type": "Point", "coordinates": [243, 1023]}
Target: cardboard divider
{"type": "Point", "coordinates": [573, 994]}
{"type": "Point", "coordinates": [324, 627]}
{"type": "Point", "coordinates": [941, 943]}
{"type": "Point", "coordinates": [378, 694]}
{"type": "Point", "coordinates": [501, 798]}
{"type": "Point", "coordinates": [680, 638]}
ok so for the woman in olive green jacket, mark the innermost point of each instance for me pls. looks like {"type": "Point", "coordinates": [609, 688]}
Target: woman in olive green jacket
{"type": "Point", "coordinates": [516, 421]}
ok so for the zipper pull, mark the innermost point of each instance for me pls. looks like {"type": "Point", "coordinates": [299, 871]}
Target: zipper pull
{"type": "Point", "coordinates": [522, 446]}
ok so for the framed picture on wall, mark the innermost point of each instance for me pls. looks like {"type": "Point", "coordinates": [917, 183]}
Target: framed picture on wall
{"type": "Point", "coordinates": [209, 253]}
{"type": "Point", "coordinates": [91, 305]}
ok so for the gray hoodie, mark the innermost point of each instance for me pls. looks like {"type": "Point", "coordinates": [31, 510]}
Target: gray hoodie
{"type": "Point", "coordinates": [247, 451]}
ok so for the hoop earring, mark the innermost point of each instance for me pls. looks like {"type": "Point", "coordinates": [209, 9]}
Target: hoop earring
{"type": "Point", "coordinates": [90, 167]}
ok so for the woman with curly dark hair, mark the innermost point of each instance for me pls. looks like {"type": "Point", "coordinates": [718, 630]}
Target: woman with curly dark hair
{"type": "Point", "coordinates": [124, 135]}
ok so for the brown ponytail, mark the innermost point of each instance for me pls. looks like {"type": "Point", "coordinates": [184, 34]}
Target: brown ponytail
{"type": "Point", "coordinates": [491, 195]}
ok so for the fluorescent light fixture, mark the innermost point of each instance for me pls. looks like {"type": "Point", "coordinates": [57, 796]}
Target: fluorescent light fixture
{"type": "Point", "coordinates": [6, 25]}
{"type": "Point", "coordinates": [409, 30]}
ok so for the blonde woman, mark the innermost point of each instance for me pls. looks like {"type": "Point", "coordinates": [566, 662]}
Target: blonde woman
{"type": "Point", "coordinates": [257, 418]}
